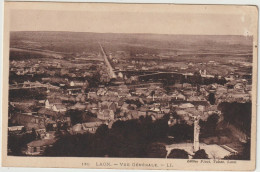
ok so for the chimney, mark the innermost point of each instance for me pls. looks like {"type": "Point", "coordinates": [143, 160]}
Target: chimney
{"type": "Point", "coordinates": [196, 144]}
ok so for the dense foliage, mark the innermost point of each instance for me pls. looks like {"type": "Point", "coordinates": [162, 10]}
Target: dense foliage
{"type": "Point", "coordinates": [25, 94]}
{"type": "Point", "coordinates": [181, 132]}
{"type": "Point", "coordinates": [178, 154]}
{"type": "Point", "coordinates": [212, 98]}
{"type": "Point", "coordinates": [156, 150]}
{"type": "Point", "coordinates": [237, 114]}
{"type": "Point", "coordinates": [78, 116]}
{"type": "Point", "coordinates": [200, 154]}
{"type": "Point", "coordinates": [132, 138]}
{"type": "Point", "coordinates": [208, 128]}
{"type": "Point", "coordinates": [17, 142]}
{"type": "Point", "coordinates": [244, 155]}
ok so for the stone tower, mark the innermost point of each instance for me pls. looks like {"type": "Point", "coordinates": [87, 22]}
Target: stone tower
{"type": "Point", "coordinates": [196, 143]}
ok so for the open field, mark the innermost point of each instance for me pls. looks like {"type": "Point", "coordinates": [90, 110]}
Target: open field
{"type": "Point", "coordinates": [174, 47]}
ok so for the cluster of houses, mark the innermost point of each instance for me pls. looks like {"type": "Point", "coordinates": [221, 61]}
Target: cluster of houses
{"type": "Point", "coordinates": [123, 103]}
{"type": "Point", "coordinates": [109, 104]}
{"type": "Point", "coordinates": [66, 89]}
{"type": "Point", "coordinates": [234, 91]}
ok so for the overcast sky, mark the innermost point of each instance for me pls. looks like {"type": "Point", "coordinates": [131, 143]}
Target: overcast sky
{"type": "Point", "coordinates": [213, 22]}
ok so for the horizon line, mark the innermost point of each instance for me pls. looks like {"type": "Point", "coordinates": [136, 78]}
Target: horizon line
{"type": "Point", "coordinates": [186, 34]}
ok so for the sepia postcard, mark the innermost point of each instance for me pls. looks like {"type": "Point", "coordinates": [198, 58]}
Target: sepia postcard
{"type": "Point", "coordinates": [129, 86]}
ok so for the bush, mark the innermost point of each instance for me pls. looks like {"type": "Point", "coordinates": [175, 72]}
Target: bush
{"type": "Point", "coordinates": [178, 154]}
{"type": "Point", "coordinates": [156, 150]}
{"type": "Point", "coordinates": [200, 154]}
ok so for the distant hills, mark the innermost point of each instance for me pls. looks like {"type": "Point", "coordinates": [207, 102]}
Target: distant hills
{"type": "Point", "coordinates": [63, 35]}
{"type": "Point", "coordinates": [73, 40]}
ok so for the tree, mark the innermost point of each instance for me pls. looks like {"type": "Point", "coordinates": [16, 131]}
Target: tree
{"type": "Point", "coordinates": [16, 143]}
{"type": "Point", "coordinates": [102, 131]}
{"type": "Point", "coordinates": [237, 114]}
{"type": "Point", "coordinates": [160, 128]}
{"type": "Point", "coordinates": [156, 150]}
{"type": "Point", "coordinates": [212, 123]}
{"type": "Point", "coordinates": [23, 130]}
{"type": "Point", "coordinates": [196, 81]}
{"type": "Point", "coordinates": [208, 128]}
{"type": "Point", "coordinates": [58, 126]}
{"type": "Point", "coordinates": [152, 94]}
{"type": "Point", "coordinates": [95, 80]}
{"type": "Point", "coordinates": [132, 138]}
{"type": "Point", "coordinates": [216, 78]}
{"type": "Point", "coordinates": [178, 154]}
{"type": "Point", "coordinates": [76, 116]}
{"type": "Point", "coordinates": [73, 145]}
{"type": "Point", "coordinates": [246, 150]}
{"type": "Point", "coordinates": [244, 155]}
{"type": "Point", "coordinates": [65, 126]}
{"type": "Point", "coordinates": [34, 134]}
{"type": "Point", "coordinates": [212, 98]}
{"type": "Point", "coordinates": [49, 127]}
{"type": "Point", "coordinates": [200, 154]}
{"type": "Point", "coordinates": [181, 132]}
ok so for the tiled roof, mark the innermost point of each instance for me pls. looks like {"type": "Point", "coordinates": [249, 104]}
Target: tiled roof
{"type": "Point", "coordinates": [45, 111]}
